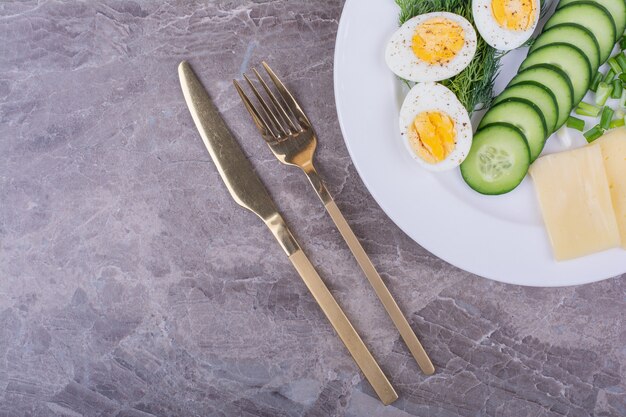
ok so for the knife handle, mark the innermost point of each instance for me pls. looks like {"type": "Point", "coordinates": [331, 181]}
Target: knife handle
{"type": "Point", "coordinates": [333, 312]}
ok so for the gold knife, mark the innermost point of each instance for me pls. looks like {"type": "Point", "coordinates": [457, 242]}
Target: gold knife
{"type": "Point", "coordinates": [249, 192]}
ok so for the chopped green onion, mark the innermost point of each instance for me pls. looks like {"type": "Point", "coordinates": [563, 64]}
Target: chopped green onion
{"type": "Point", "coordinates": [603, 93]}
{"type": "Point", "coordinates": [593, 133]}
{"type": "Point", "coordinates": [619, 122]}
{"type": "Point", "coordinates": [617, 89]}
{"type": "Point", "coordinates": [622, 100]}
{"type": "Point", "coordinates": [622, 77]}
{"type": "Point", "coordinates": [596, 80]}
{"type": "Point", "coordinates": [622, 43]}
{"type": "Point", "coordinates": [609, 76]}
{"type": "Point", "coordinates": [614, 65]}
{"type": "Point", "coordinates": [586, 109]}
{"type": "Point", "coordinates": [605, 119]}
{"type": "Point", "coordinates": [576, 123]}
{"type": "Point", "coordinates": [621, 60]}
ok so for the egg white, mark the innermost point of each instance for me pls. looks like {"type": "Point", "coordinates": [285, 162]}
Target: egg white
{"type": "Point", "coordinates": [435, 97]}
{"type": "Point", "coordinates": [404, 63]}
{"type": "Point", "coordinates": [496, 36]}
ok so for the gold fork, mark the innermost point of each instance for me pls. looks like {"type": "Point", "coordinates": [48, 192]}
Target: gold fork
{"type": "Point", "coordinates": [291, 137]}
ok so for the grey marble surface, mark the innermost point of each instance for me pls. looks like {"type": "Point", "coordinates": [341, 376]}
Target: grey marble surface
{"type": "Point", "coordinates": [132, 285]}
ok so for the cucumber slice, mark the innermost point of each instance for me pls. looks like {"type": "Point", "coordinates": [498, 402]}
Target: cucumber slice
{"type": "Point", "coordinates": [537, 94]}
{"type": "Point", "coordinates": [572, 34]}
{"type": "Point", "coordinates": [568, 58]}
{"type": "Point", "coordinates": [616, 8]}
{"type": "Point", "coordinates": [498, 160]}
{"type": "Point", "coordinates": [524, 115]}
{"type": "Point", "coordinates": [555, 80]}
{"type": "Point", "coordinates": [593, 17]}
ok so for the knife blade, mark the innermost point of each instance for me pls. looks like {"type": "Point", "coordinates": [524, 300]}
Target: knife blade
{"type": "Point", "coordinates": [234, 168]}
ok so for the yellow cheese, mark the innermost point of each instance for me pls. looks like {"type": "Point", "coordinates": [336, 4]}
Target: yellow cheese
{"type": "Point", "coordinates": [575, 201]}
{"type": "Point", "coordinates": [613, 146]}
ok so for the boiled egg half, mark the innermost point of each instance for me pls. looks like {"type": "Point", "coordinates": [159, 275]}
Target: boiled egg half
{"type": "Point", "coordinates": [435, 127]}
{"type": "Point", "coordinates": [431, 47]}
{"type": "Point", "coordinates": [506, 24]}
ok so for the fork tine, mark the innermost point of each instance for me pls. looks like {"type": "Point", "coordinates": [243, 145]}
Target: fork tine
{"type": "Point", "coordinates": [261, 124]}
{"type": "Point", "coordinates": [276, 103]}
{"type": "Point", "coordinates": [291, 102]}
{"type": "Point", "coordinates": [268, 112]}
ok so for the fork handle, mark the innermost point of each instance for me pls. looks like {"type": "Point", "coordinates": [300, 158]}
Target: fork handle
{"type": "Point", "coordinates": [401, 323]}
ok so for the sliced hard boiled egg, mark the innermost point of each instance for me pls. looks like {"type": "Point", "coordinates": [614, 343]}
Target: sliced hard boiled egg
{"type": "Point", "coordinates": [506, 24]}
{"type": "Point", "coordinates": [431, 47]}
{"type": "Point", "coordinates": [435, 127]}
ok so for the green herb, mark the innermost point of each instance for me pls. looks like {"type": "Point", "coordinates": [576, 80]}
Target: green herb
{"type": "Point", "coordinates": [575, 123]}
{"type": "Point", "coordinates": [596, 80]}
{"type": "Point", "coordinates": [609, 76]}
{"type": "Point", "coordinates": [603, 92]}
{"type": "Point", "coordinates": [593, 133]}
{"type": "Point", "coordinates": [605, 119]}
{"type": "Point", "coordinates": [614, 65]}
{"type": "Point", "coordinates": [621, 60]}
{"type": "Point", "coordinates": [586, 109]}
{"type": "Point", "coordinates": [617, 89]}
{"type": "Point", "coordinates": [474, 85]}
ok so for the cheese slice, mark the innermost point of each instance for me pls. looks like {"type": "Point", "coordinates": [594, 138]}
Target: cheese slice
{"type": "Point", "coordinates": [575, 201]}
{"type": "Point", "coordinates": [613, 147]}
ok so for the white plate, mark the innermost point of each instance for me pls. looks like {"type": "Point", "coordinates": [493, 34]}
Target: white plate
{"type": "Point", "coordinates": [497, 237]}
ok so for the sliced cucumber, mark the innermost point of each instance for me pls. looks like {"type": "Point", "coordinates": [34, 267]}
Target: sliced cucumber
{"type": "Point", "coordinates": [617, 9]}
{"type": "Point", "coordinates": [572, 34]}
{"type": "Point", "coordinates": [593, 17]}
{"type": "Point", "coordinates": [498, 160]}
{"type": "Point", "coordinates": [568, 58]}
{"type": "Point", "coordinates": [555, 80]}
{"type": "Point", "coordinates": [537, 94]}
{"type": "Point", "coordinates": [524, 115]}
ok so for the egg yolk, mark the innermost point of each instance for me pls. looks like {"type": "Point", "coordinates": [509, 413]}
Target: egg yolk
{"type": "Point", "coordinates": [437, 40]}
{"type": "Point", "coordinates": [513, 14]}
{"type": "Point", "coordinates": [432, 136]}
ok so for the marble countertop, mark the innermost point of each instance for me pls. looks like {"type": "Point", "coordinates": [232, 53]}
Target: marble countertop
{"type": "Point", "coordinates": [132, 285]}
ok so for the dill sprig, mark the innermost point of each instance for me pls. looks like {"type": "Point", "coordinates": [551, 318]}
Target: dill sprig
{"type": "Point", "coordinates": [474, 85]}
